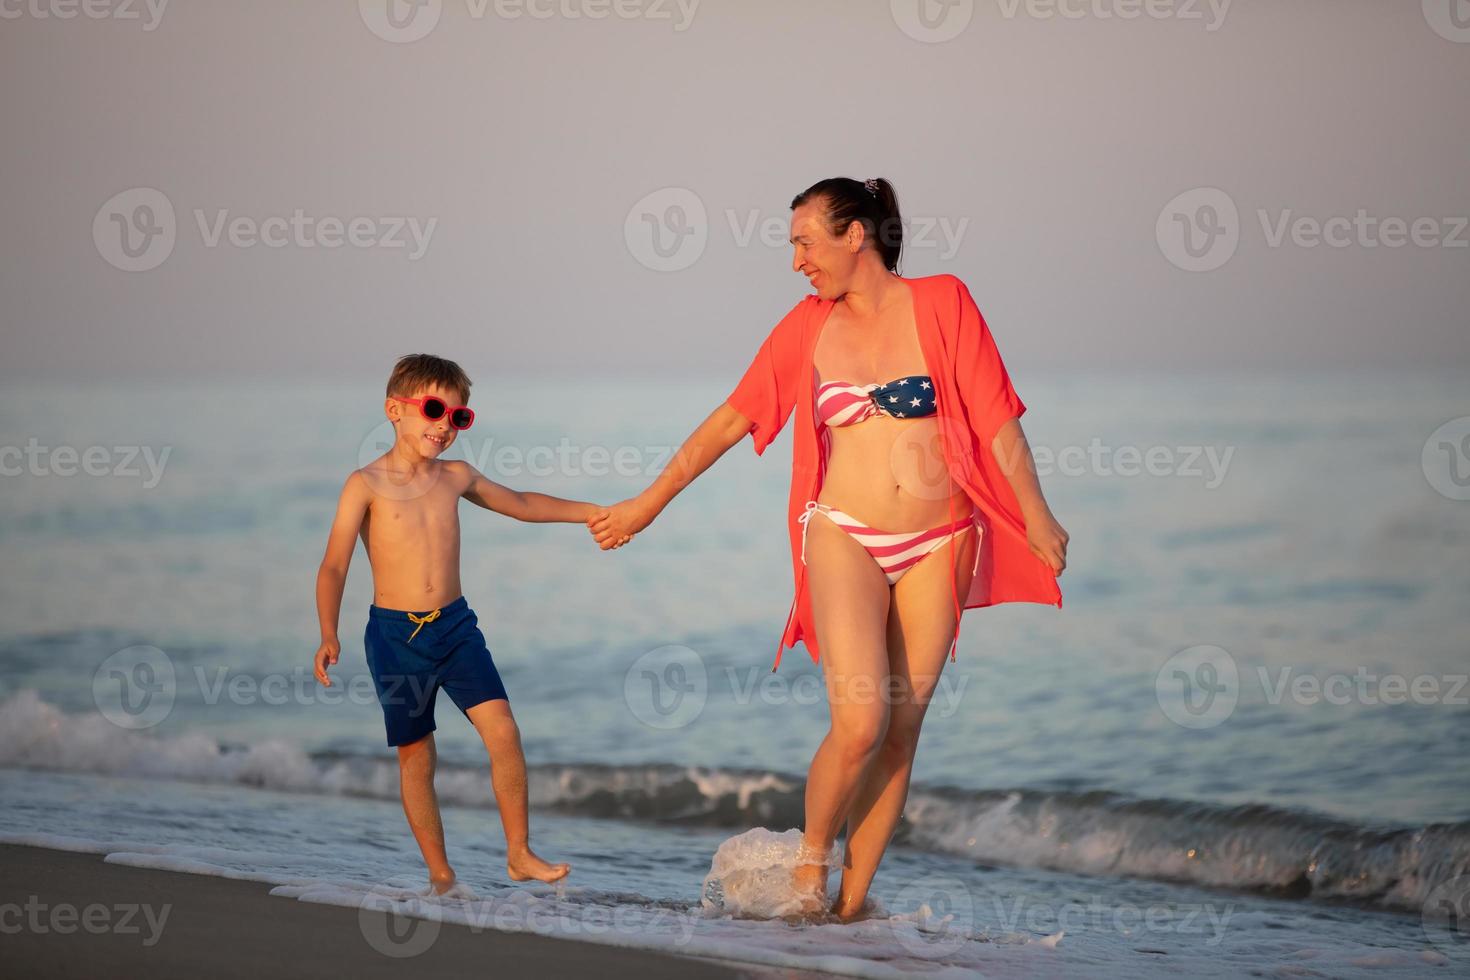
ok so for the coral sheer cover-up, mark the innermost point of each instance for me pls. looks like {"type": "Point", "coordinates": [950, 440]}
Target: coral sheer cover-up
{"type": "Point", "coordinates": [975, 398]}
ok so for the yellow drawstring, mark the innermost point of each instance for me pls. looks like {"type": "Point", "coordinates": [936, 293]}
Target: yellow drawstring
{"type": "Point", "coordinates": [421, 620]}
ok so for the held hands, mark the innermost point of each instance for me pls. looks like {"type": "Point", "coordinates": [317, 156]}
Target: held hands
{"type": "Point", "coordinates": [1048, 540]}
{"type": "Point", "coordinates": [326, 656]}
{"type": "Point", "coordinates": [615, 526]}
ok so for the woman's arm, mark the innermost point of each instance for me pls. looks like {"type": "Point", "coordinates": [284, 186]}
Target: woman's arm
{"type": "Point", "coordinates": [1047, 538]}
{"type": "Point", "coordinates": [714, 437]}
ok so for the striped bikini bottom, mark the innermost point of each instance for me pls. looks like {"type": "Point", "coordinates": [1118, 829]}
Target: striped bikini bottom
{"type": "Point", "coordinates": [895, 552]}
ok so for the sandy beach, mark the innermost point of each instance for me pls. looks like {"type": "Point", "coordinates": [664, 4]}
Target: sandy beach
{"type": "Point", "coordinates": [72, 915]}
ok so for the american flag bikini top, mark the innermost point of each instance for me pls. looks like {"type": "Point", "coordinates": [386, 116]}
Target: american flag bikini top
{"type": "Point", "coordinates": [841, 403]}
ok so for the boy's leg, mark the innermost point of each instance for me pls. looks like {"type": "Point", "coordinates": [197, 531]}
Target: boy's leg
{"type": "Point", "coordinates": [407, 688]}
{"type": "Point", "coordinates": [421, 807]}
{"type": "Point", "coordinates": [502, 738]}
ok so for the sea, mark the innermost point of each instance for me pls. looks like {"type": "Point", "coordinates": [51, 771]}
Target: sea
{"type": "Point", "coordinates": [1240, 748]}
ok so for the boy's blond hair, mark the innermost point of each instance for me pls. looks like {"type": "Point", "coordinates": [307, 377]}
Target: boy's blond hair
{"type": "Point", "coordinates": [415, 372]}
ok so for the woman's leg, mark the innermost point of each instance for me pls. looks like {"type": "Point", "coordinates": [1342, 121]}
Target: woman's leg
{"type": "Point", "coordinates": [849, 597]}
{"type": "Point", "coordinates": [921, 625]}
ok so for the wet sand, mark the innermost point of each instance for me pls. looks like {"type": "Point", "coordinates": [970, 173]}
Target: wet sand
{"type": "Point", "coordinates": [64, 914]}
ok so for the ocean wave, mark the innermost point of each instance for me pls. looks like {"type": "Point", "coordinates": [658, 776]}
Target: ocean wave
{"type": "Point", "coordinates": [1281, 852]}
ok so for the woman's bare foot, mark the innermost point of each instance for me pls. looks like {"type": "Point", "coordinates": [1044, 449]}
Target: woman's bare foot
{"type": "Point", "coordinates": [442, 882]}
{"type": "Point", "coordinates": [846, 912]}
{"type": "Point", "coordinates": [526, 866]}
{"type": "Point", "coordinates": [809, 881]}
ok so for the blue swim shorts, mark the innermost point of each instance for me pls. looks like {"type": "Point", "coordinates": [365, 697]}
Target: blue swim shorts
{"type": "Point", "coordinates": [412, 655]}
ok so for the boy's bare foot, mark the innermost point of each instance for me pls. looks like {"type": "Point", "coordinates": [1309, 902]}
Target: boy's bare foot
{"type": "Point", "coordinates": [526, 866]}
{"type": "Point", "coordinates": [441, 883]}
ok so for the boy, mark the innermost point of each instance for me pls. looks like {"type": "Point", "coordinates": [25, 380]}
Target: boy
{"type": "Point", "coordinates": [421, 634]}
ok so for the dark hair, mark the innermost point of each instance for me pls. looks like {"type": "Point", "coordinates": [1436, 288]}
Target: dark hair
{"type": "Point", "coordinates": [846, 200]}
{"type": "Point", "coordinates": [415, 372]}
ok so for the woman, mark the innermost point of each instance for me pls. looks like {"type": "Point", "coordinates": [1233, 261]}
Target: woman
{"type": "Point", "coordinates": [912, 486]}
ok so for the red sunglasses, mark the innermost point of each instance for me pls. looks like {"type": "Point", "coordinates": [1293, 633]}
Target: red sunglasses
{"type": "Point", "coordinates": [460, 417]}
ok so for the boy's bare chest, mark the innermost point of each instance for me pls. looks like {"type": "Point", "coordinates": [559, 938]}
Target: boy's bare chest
{"type": "Point", "coordinates": [433, 510]}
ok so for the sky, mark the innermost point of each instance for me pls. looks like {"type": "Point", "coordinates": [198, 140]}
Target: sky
{"type": "Point", "coordinates": [600, 188]}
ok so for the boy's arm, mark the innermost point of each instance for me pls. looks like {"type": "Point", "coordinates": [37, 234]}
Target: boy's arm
{"type": "Point", "coordinates": [332, 576]}
{"type": "Point", "coordinates": [535, 508]}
